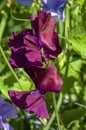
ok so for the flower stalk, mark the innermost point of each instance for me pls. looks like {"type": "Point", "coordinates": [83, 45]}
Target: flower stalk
{"type": "Point", "coordinates": [56, 112]}
{"type": "Point", "coordinates": [2, 26]}
{"type": "Point", "coordinates": [67, 28]}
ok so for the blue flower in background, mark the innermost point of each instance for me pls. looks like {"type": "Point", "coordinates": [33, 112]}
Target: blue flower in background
{"type": "Point", "coordinates": [6, 111]}
{"type": "Point", "coordinates": [25, 2]}
{"type": "Point", "coordinates": [55, 7]}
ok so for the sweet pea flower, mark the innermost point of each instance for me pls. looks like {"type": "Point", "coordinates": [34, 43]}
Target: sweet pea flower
{"type": "Point", "coordinates": [46, 80]}
{"type": "Point", "coordinates": [25, 2]}
{"type": "Point", "coordinates": [32, 101]}
{"type": "Point", "coordinates": [55, 7]}
{"type": "Point", "coordinates": [32, 46]}
{"type": "Point", "coordinates": [43, 26]}
{"type": "Point", "coordinates": [24, 52]}
{"type": "Point", "coordinates": [6, 111]}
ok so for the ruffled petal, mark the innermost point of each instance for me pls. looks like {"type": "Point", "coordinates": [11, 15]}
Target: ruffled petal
{"type": "Point", "coordinates": [46, 26]}
{"type": "Point", "coordinates": [33, 51]}
{"type": "Point", "coordinates": [46, 79]}
{"type": "Point", "coordinates": [25, 50]}
{"type": "Point", "coordinates": [31, 101]}
{"type": "Point", "coordinates": [48, 54]}
{"type": "Point", "coordinates": [43, 27]}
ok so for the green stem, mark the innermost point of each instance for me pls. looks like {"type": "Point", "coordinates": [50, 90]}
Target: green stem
{"type": "Point", "coordinates": [53, 115]}
{"type": "Point", "coordinates": [3, 24]}
{"type": "Point", "coordinates": [2, 28]}
{"type": "Point", "coordinates": [18, 19]}
{"type": "Point", "coordinates": [67, 24]}
{"type": "Point", "coordinates": [9, 66]}
{"type": "Point", "coordinates": [56, 112]}
{"type": "Point", "coordinates": [2, 4]}
{"type": "Point", "coordinates": [66, 43]}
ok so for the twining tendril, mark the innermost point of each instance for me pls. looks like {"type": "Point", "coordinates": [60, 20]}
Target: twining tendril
{"type": "Point", "coordinates": [17, 19]}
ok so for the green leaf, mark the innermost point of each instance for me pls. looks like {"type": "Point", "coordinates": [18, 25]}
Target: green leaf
{"type": "Point", "coordinates": [74, 114]}
{"type": "Point", "coordinates": [78, 43]}
{"type": "Point", "coordinates": [81, 2]}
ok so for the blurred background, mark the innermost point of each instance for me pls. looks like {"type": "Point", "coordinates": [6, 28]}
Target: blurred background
{"type": "Point", "coordinates": [71, 64]}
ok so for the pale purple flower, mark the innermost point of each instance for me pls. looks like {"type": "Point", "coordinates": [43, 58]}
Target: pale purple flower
{"type": "Point", "coordinates": [25, 2]}
{"type": "Point", "coordinates": [6, 111]}
{"type": "Point", "coordinates": [55, 7]}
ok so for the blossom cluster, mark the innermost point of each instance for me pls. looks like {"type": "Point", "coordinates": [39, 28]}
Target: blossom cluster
{"type": "Point", "coordinates": [31, 50]}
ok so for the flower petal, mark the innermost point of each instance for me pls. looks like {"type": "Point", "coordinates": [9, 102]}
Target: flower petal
{"type": "Point", "coordinates": [46, 79]}
{"type": "Point", "coordinates": [1, 123]}
{"type": "Point", "coordinates": [31, 101]}
{"type": "Point", "coordinates": [33, 51]}
{"type": "Point", "coordinates": [43, 27]}
{"type": "Point", "coordinates": [55, 7]}
{"type": "Point", "coordinates": [25, 2]}
{"type": "Point", "coordinates": [48, 54]}
{"type": "Point", "coordinates": [6, 126]}
{"type": "Point", "coordinates": [25, 50]}
{"type": "Point", "coordinates": [7, 110]}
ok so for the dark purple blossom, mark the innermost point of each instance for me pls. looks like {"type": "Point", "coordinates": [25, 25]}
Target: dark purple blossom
{"type": "Point", "coordinates": [25, 2]}
{"type": "Point", "coordinates": [31, 46]}
{"type": "Point", "coordinates": [55, 7]}
{"type": "Point", "coordinates": [6, 111]}
{"type": "Point", "coordinates": [30, 49]}
{"type": "Point", "coordinates": [32, 101]}
{"type": "Point", "coordinates": [43, 26]}
{"type": "Point", "coordinates": [46, 79]}
{"type": "Point", "coordinates": [24, 52]}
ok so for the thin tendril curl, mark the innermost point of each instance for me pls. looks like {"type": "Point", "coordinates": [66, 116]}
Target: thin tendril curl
{"type": "Point", "coordinates": [17, 19]}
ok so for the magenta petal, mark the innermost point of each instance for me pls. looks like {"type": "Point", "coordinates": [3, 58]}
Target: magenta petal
{"type": "Point", "coordinates": [33, 50]}
{"type": "Point", "coordinates": [34, 23]}
{"type": "Point", "coordinates": [47, 37]}
{"type": "Point", "coordinates": [18, 59]}
{"type": "Point", "coordinates": [46, 79]}
{"type": "Point", "coordinates": [25, 50]}
{"type": "Point", "coordinates": [46, 30]}
{"type": "Point", "coordinates": [54, 53]}
{"type": "Point", "coordinates": [43, 27]}
{"type": "Point", "coordinates": [31, 101]}
{"type": "Point", "coordinates": [17, 41]}
{"type": "Point", "coordinates": [50, 80]}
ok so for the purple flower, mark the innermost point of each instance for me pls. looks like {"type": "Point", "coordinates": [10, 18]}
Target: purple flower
{"type": "Point", "coordinates": [31, 46]}
{"type": "Point", "coordinates": [43, 27]}
{"type": "Point", "coordinates": [24, 52]}
{"type": "Point", "coordinates": [32, 101]}
{"type": "Point", "coordinates": [6, 111]}
{"type": "Point", "coordinates": [46, 79]}
{"type": "Point", "coordinates": [55, 7]}
{"type": "Point", "coordinates": [25, 2]}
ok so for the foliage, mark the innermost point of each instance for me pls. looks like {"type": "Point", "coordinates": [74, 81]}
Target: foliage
{"type": "Point", "coordinates": [71, 64]}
